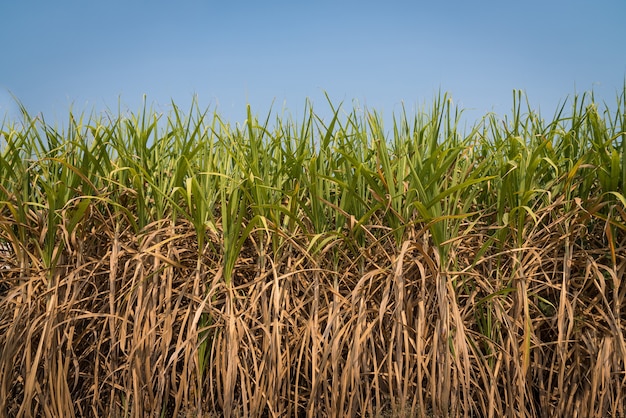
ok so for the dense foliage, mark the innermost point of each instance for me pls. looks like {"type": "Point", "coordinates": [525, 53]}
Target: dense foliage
{"type": "Point", "coordinates": [174, 265]}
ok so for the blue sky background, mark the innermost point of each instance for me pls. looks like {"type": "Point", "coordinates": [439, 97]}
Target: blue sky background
{"type": "Point", "coordinates": [90, 56]}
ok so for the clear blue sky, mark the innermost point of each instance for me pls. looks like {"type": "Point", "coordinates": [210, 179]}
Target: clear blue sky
{"type": "Point", "coordinates": [90, 55]}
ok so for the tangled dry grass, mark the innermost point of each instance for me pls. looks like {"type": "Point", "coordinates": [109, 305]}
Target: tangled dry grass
{"type": "Point", "coordinates": [460, 314]}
